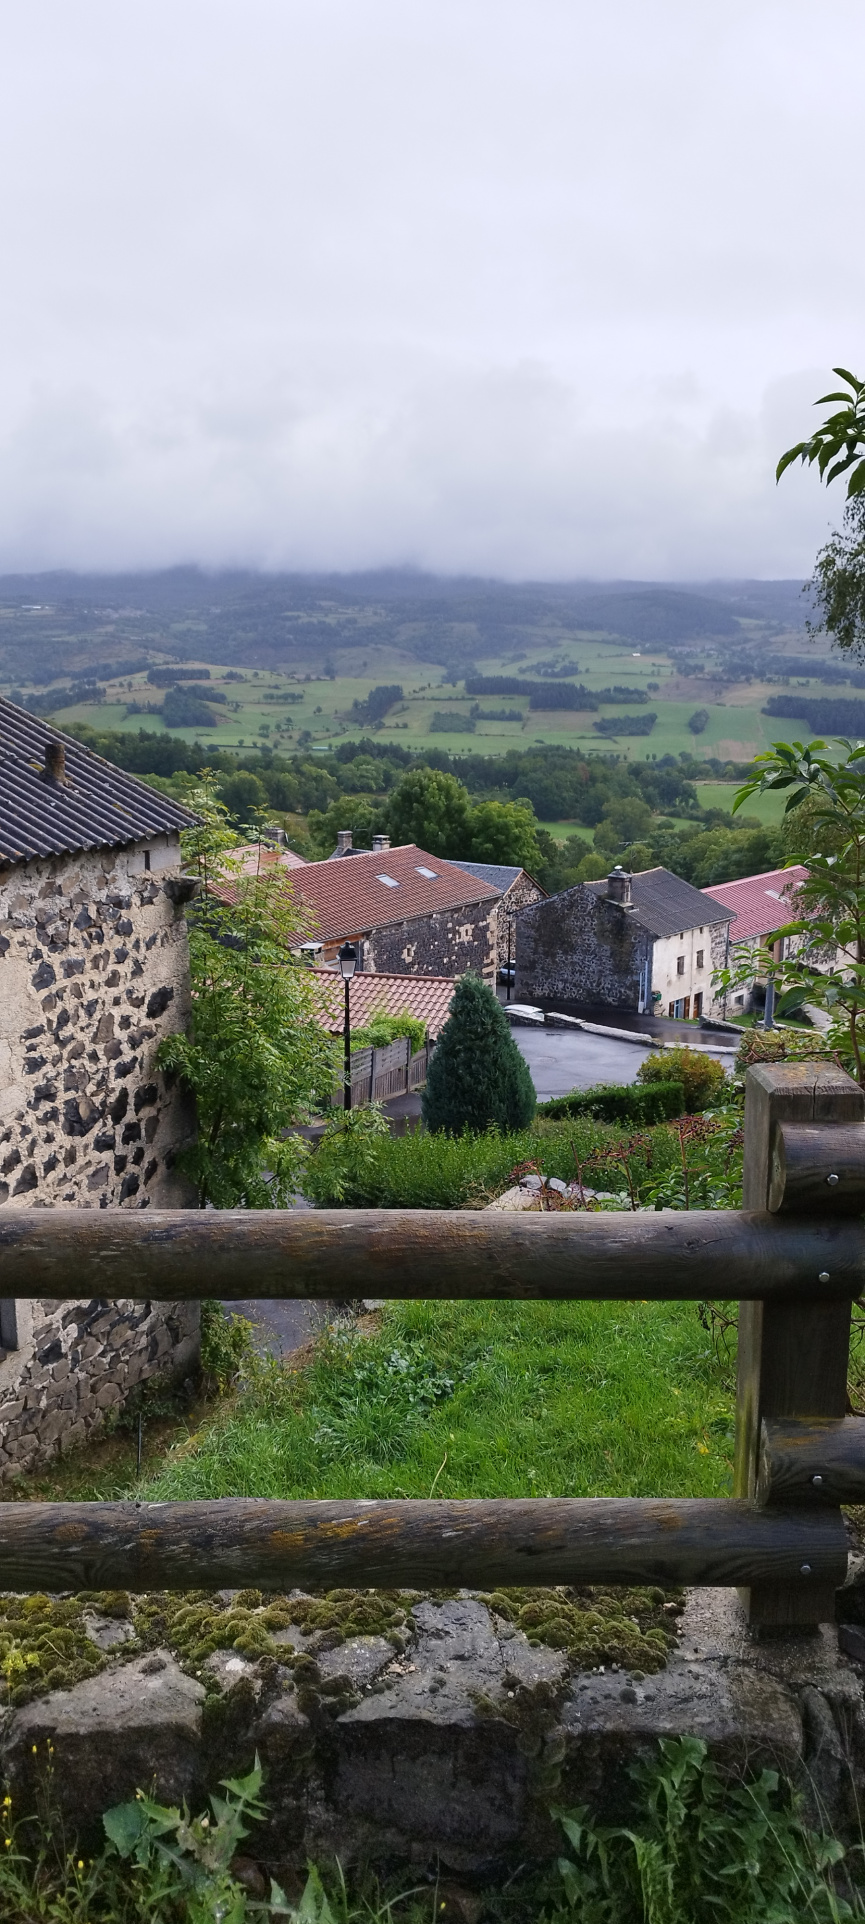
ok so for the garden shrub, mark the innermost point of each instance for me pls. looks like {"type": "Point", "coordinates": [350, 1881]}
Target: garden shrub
{"type": "Point", "coordinates": [620, 1102]}
{"type": "Point", "coordinates": [701, 1076]}
{"type": "Point", "coordinates": [780, 1045]}
{"type": "Point", "coordinates": [477, 1076]}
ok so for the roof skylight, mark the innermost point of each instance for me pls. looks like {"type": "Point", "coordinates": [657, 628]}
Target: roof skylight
{"type": "Point", "coordinates": [388, 881]}
{"type": "Point", "coordinates": [430, 873]}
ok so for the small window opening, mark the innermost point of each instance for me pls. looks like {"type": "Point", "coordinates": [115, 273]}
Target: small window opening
{"type": "Point", "coordinates": [680, 965]}
{"type": "Point", "coordinates": [700, 953]}
{"type": "Point", "coordinates": [147, 858]}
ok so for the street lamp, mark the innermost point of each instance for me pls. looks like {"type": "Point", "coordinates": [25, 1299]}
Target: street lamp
{"type": "Point", "coordinates": [347, 966]}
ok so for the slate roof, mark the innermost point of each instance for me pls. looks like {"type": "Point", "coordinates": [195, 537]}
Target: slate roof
{"type": "Point", "coordinates": [425, 996]}
{"type": "Point", "coordinates": [378, 888]}
{"type": "Point", "coordinates": [665, 905]}
{"type": "Point", "coordinates": [760, 903]}
{"type": "Point", "coordinates": [498, 874]}
{"type": "Point", "coordinates": [95, 806]}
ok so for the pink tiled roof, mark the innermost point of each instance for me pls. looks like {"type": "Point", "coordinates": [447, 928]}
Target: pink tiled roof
{"type": "Point", "coordinates": [264, 860]}
{"type": "Point", "coordinates": [760, 903]}
{"type": "Point", "coordinates": [425, 996]}
{"type": "Point", "coordinates": [360, 892]}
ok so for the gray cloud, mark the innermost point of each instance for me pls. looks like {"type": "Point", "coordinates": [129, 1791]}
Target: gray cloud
{"type": "Point", "coordinates": [467, 283]}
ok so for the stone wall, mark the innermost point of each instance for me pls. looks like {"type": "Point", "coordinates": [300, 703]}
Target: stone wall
{"type": "Point", "coordinates": [448, 942]}
{"type": "Point", "coordinates": [580, 951]}
{"type": "Point", "coordinates": [94, 970]}
{"type": "Point", "coordinates": [519, 896]}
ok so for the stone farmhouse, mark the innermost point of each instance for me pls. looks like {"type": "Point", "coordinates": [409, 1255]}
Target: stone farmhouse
{"type": "Point", "coordinates": [94, 970]}
{"type": "Point", "coordinates": [406, 912]}
{"type": "Point", "coordinates": [516, 890]}
{"type": "Point", "coordinates": [647, 943]}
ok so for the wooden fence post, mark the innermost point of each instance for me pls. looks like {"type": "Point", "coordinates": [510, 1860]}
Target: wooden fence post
{"type": "Point", "coordinates": [793, 1357]}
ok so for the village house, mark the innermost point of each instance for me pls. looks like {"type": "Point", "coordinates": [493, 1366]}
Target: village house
{"type": "Point", "coordinates": [405, 912]}
{"type": "Point", "coordinates": [94, 970]}
{"type": "Point", "coordinates": [761, 905]}
{"type": "Point", "coordinates": [516, 890]}
{"type": "Point", "coordinates": [647, 943]}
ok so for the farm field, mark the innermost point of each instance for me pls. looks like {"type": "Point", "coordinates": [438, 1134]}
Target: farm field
{"type": "Point", "coordinates": [257, 707]}
{"type": "Point", "coordinates": [768, 809]}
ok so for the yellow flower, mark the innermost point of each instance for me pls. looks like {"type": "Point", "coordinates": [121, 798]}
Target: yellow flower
{"type": "Point", "coordinates": [81, 1863]}
{"type": "Point", "coordinates": [34, 1748]}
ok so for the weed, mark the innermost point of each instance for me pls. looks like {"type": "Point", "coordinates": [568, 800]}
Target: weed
{"type": "Point", "coordinates": [701, 1846]}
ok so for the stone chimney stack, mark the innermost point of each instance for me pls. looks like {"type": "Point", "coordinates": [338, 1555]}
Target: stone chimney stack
{"type": "Point", "coordinates": [343, 841]}
{"type": "Point", "coordinates": [619, 887]}
{"type": "Point", "coordinates": [55, 762]}
{"type": "Point", "coordinates": [380, 843]}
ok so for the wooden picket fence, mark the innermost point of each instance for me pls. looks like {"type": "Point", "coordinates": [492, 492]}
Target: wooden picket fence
{"type": "Point", "coordinates": [794, 1256]}
{"type": "Point", "coordinates": [377, 1075]}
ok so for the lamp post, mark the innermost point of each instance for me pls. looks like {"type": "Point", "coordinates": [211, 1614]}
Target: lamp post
{"type": "Point", "coordinates": [347, 966]}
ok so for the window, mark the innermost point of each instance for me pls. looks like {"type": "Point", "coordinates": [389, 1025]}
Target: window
{"type": "Point", "coordinates": [700, 953]}
{"type": "Point", "coordinates": [680, 965]}
{"type": "Point", "coordinates": [430, 873]}
{"type": "Point", "coordinates": [388, 881]}
{"type": "Point", "coordinates": [698, 1004]}
{"type": "Point", "coordinates": [8, 1324]}
{"type": "Point", "coordinates": [147, 859]}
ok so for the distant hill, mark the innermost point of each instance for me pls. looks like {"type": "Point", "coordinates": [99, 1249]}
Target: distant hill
{"type": "Point", "coordinates": [63, 623]}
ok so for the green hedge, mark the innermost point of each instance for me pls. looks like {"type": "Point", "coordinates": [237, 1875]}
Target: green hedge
{"type": "Point", "coordinates": [621, 1102]}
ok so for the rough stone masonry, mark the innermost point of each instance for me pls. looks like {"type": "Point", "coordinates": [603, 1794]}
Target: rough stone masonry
{"type": "Point", "coordinates": [94, 970]}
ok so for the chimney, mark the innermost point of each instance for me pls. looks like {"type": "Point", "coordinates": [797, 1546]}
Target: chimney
{"type": "Point", "coordinates": [380, 843]}
{"type": "Point", "coordinates": [619, 887]}
{"type": "Point", "coordinates": [55, 762]}
{"type": "Point", "coordinates": [343, 841]}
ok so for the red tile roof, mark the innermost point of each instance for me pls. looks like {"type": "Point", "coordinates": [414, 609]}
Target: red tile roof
{"type": "Point", "coordinates": [760, 903]}
{"type": "Point", "coordinates": [425, 996]}
{"type": "Point", "coordinates": [355, 893]}
{"type": "Point", "coordinates": [254, 860]}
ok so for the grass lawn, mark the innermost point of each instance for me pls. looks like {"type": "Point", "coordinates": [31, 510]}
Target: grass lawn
{"type": "Point", "coordinates": [766, 808]}
{"type": "Point", "coordinates": [479, 1399]}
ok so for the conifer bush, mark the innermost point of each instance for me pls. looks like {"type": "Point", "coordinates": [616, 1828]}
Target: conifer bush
{"type": "Point", "coordinates": [477, 1078]}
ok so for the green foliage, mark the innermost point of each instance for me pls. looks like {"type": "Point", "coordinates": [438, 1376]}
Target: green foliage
{"type": "Point", "coordinates": [242, 794]}
{"type": "Point", "coordinates": [504, 832]}
{"type": "Point", "coordinates": [620, 1102]}
{"type": "Point", "coordinates": [431, 809]}
{"type": "Point", "coordinates": [827, 929]}
{"type": "Point", "coordinates": [175, 1858]}
{"type": "Point", "coordinates": [701, 1076]}
{"type": "Point", "coordinates": [357, 812]}
{"type": "Point", "coordinates": [701, 1845]}
{"type": "Point", "coordinates": [698, 721]}
{"type": "Point", "coordinates": [840, 439]}
{"type": "Point", "coordinates": [569, 1398]}
{"type": "Point", "coordinates": [255, 1057]}
{"type": "Point", "coordinates": [382, 1028]}
{"type": "Point", "coordinates": [359, 1164]}
{"type": "Point", "coordinates": [226, 1348]}
{"type": "Point", "coordinates": [838, 584]}
{"type": "Point", "coordinates": [477, 1076]}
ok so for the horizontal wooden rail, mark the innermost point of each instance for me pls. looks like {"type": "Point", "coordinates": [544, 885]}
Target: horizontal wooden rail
{"type": "Point", "coordinates": [812, 1460]}
{"type": "Point", "coordinates": [344, 1254]}
{"type": "Point", "coordinates": [276, 1546]}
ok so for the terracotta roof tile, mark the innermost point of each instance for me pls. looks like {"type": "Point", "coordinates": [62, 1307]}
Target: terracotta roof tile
{"type": "Point", "coordinates": [425, 996]}
{"type": "Point", "coordinates": [267, 859]}
{"type": "Point", "coordinates": [760, 903]}
{"type": "Point", "coordinates": [350, 897]}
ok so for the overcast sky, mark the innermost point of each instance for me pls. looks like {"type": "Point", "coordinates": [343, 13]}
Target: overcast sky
{"type": "Point", "coordinates": [515, 287]}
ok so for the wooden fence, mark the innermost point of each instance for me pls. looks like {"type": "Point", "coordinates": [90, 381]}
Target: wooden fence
{"type": "Point", "coordinates": [794, 1256]}
{"type": "Point", "coordinates": [378, 1074]}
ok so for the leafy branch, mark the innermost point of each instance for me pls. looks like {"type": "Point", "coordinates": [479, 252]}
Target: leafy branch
{"type": "Point", "coordinates": [840, 440]}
